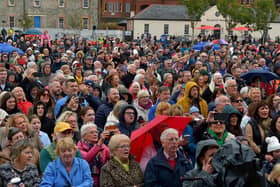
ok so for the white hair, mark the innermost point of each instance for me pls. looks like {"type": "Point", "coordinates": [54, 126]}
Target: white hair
{"type": "Point", "coordinates": [85, 127]}
{"type": "Point", "coordinates": [227, 81]}
{"type": "Point", "coordinates": [137, 77]}
{"type": "Point", "coordinates": [164, 134]}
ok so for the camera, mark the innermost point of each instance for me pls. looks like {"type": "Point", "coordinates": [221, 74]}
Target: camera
{"type": "Point", "coordinates": [220, 116]}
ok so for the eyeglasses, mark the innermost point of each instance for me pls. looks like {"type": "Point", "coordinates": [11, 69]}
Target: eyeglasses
{"type": "Point", "coordinates": [233, 86]}
{"type": "Point", "coordinates": [123, 147]}
{"type": "Point", "coordinates": [238, 101]}
{"type": "Point", "coordinates": [45, 94]}
{"type": "Point", "coordinates": [172, 139]}
{"type": "Point", "coordinates": [146, 97]}
{"type": "Point", "coordinates": [218, 122]}
{"type": "Point", "coordinates": [130, 113]}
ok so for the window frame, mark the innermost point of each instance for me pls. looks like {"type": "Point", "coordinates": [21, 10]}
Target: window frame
{"type": "Point", "coordinates": [35, 3]}
{"type": "Point", "coordinates": [127, 7]}
{"type": "Point", "coordinates": [146, 28]}
{"type": "Point", "coordinates": [59, 23]}
{"type": "Point", "coordinates": [187, 29]}
{"type": "Point", "coordinates": [58, 3]}
{"type": "Point", "coordinates": [85, 18]}
{"type": "Point", "coordinates": [14, 23]}
{"type": "Point", "coordinates": [166, 29]}
{"type": "Point", "coordinates": [11, 4]}
{"type": "Point", "coordinates": [85, 3]}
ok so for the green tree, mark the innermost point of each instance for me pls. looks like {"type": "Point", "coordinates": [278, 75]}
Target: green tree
{"type": "Point", "coordinates": [195, 9]}
{"type": "Point", "coordinates": [26, 22]}
{"type": "Point", "coordinates": [230, 9]}
{"type": "Point", "coordinates": [263, 12]}
{"type": "Point", "coordinates": [75, 22]}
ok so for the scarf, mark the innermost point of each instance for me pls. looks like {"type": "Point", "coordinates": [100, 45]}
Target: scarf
{"type": "Point", "coordinates": [220, 141]}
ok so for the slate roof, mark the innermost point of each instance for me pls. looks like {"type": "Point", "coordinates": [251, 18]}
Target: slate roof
{"type": "Point", "coordinates": [163, 12]}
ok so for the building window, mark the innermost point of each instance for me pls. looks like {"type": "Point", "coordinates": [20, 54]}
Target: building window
{"type": "Point", "coordinates": [11, 2]}
{"type": "Point", "coordinates": [146, 28]}
{"type": "Point", "coordinates": [61, 3]}
{"type": "Point", "coordinates": [187, 29]}
{"type": "Point", "coordinates": [61, 23]}
{"type": "Point", "coordinates": [110, 7]}
{"type": "Point", "coordinates": [85, 23]}
{"type": "Point", "coordinates": [166, 29]}
{"type": "Point", "coordinates": [120, 7]}
{"type": "Point", "coordinates": [105, 7]}
{"type": "Point", "coordinates": [85, 3]}
{"type": "Point", "coordinates": [116, 7]}
{"type": "Point", "coordinates": [12, 21]}
{"type": "Point", "coordinates": [127, 7]}
{"type": "Point", "coordinates": [37, 3]}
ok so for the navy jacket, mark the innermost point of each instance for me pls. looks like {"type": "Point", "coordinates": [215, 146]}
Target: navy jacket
{"type": "Point", "coordinates": [102, 114]}
{"type": "Point", "coordinates": [160, 174]}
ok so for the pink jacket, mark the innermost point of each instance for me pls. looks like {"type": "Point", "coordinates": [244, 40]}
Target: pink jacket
{"type": "Point", "coordinates": [90, 154]}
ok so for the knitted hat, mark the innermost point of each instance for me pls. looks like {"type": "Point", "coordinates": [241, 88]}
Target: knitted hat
{"type": "Point", "coordinates": [272, 143]}
{"type": "Point", "coordinates": [193, 109]}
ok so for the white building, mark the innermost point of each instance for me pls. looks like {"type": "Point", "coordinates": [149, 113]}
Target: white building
{"type": "Point", "coordinates": [174, 20]}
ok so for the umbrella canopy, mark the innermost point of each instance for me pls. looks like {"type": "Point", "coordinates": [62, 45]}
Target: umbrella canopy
{"type": "Point", "coordinates": [7, 48]}
{"type": "Point", "coordinates": [32, 32]}
{"type": "Point", "coordinates": [206, 45]}
{"type": "Point", "coordinates": [264, 75]}
{"type": "Point", "coordinates": [207, 27]}
{"type": "Point", "coordinates": [242, 29]}
{"type": "Point", "coordinates": [142, 138]}
{"type": "Point", "coordinates": [220, 41]}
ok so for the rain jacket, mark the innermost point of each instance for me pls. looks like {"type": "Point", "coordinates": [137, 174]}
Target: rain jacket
{"type": "Point", "coordinates": [197, 177]}
{"type": "Point", "coordinates": [127, 128]}
{"type": "Point", "coordinates": [159, 173]}
{"type": "Point", "coordinates": [237, 165]}
{"type": "Point", "coordinates": [56, 175]}
{"type": "Point", "coordinates": [186, 102]}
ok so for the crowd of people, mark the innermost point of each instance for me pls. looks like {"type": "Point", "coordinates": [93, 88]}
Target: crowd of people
{"type": "Point", "coordinates": [69, 107]}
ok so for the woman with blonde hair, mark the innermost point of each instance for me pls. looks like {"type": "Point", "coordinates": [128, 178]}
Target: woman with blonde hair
{"type": "Point", "coordinates": [121, 170]}
{"type": "Point", "coordinates": [67, 170]}
{"type": "Point", "coordinates": [22, 102]}
{"type": "Point", "coordinates": [71, 118]}
{"type": "Point", "coordinates": [163, 108]}
{"type": "Point", "coordinates": [216, 82]}
{"type": "Point", "coordinates": [20, 121]}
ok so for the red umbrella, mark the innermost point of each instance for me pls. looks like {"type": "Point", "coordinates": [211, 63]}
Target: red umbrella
{"type": "Point", "coordinates": [242, 29]}
{"type": "Point", "coordinates": [142, 138]}
{"type": "Point", "coordinates": [207, 27]}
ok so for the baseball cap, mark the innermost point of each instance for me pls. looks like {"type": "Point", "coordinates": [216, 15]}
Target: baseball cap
{"type": "Point", "coordinates": [62, 126]}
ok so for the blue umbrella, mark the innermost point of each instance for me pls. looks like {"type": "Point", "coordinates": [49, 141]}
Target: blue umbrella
{"type": "Point", "coordinates": [263, 75]}
{"type": "Point", "coordinates": [33, 32]}
{"type": "Point", "coordinates": [201, 45]}
{"type": "Point", "coordinates": [7, 48]}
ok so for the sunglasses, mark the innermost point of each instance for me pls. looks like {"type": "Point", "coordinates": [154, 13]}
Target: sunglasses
{"type": "Point", "coordinates": [218, 122]}
{"type": "Point", "coordinates": [238, 101]}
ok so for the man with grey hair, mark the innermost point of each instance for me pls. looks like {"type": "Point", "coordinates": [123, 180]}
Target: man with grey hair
{"type": "Point", "coordinates": [220, 102]}
{"type": "Point", "coordinates": [231, 87]}
{"type": "Point", "coordinates": [169, 165]}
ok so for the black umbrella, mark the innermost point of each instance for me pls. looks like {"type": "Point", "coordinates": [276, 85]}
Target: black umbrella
{"type": "Point", "coordinates": [263, 75]}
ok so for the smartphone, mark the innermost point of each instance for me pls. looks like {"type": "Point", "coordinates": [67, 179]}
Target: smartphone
{"type": "Point", "coordinates": [220, 116]}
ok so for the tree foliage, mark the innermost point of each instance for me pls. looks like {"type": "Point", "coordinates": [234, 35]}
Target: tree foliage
{"type": "Point", "coordinates": [195, 9]}
{"type": "Point", "coordinates": [26, 22]}
{"type": "Point", "coordinates": [75, 22]}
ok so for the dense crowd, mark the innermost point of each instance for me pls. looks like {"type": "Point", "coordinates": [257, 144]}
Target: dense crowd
{"type": "Point", "coordinates": [70, 107]}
